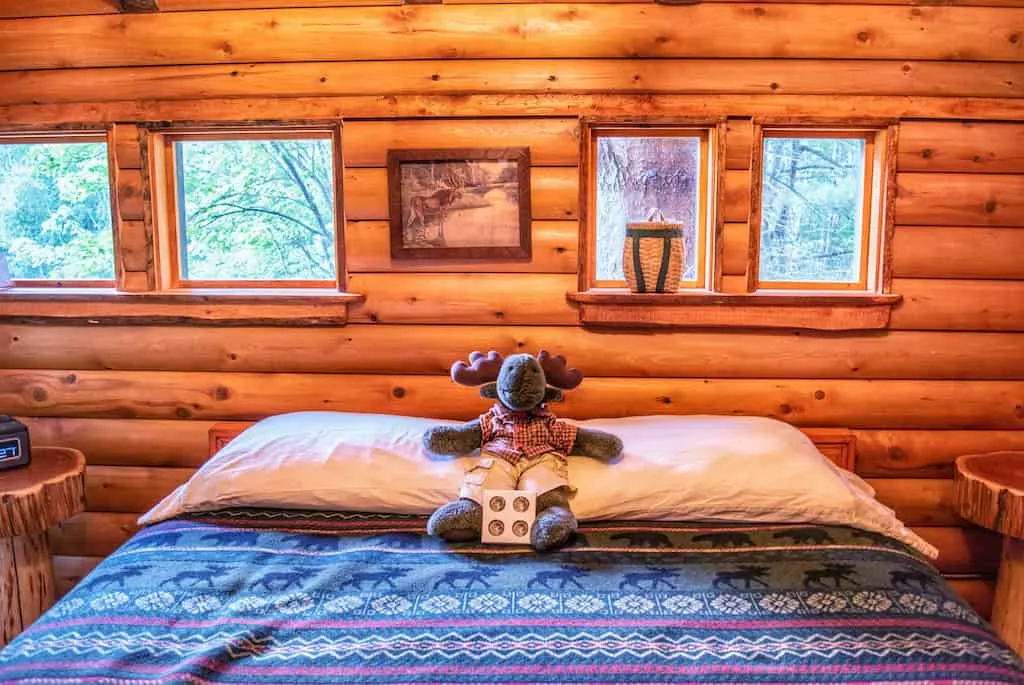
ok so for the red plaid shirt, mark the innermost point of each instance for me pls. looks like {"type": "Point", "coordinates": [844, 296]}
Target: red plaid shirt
{"type": "Point", "coordinates": [515, 435]}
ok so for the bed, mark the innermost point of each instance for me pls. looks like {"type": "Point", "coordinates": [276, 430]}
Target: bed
{"type": "Point", "coordinates": [262, 595]}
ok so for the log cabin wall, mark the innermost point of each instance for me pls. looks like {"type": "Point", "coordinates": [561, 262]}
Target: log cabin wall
{"type": "Point", "coordinates": [947, 378]}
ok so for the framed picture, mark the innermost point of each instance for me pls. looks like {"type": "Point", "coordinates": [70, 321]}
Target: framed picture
{"type": "Point", "coordinates": [460, 203]}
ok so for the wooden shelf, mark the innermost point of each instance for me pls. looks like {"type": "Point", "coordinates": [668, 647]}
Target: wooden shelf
{"type": "Point", "coordinates": [615, 307]}
{"type": "Point", "coordinates": [228, 306]}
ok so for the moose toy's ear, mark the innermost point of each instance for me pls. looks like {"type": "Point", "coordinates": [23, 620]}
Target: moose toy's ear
{"type": "Point", "coordinates": [552, 395]}
{"type": "Point", "coordinates": [489, 391]}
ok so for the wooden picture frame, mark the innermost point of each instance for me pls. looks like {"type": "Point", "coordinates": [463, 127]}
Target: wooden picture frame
{"type": "Point", "coordinates": [468, 203]}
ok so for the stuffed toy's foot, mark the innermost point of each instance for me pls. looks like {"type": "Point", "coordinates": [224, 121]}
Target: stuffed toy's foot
{"type": "Point", "coordinates": [555, 522]}
{"type": "Point", "coordinates": [458, 521]}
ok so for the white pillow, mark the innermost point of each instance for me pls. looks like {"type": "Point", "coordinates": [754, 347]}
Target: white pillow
{"type": "Point", "coordinates": [322, 460]}
{"type": "Point", "coordinates": [725, 468]}
{"type": "Point", "coordinates": [679, 468]}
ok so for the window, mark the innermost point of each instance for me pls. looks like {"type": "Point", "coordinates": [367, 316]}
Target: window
{"type": "Point", "coordinates": [784, 224]}
{"type": "Point", "coordinates": [253, 209]}
{"type": "Point", "coordinates": [55, 218]}
{"type": "Point", "coordinates": [636, 171]}
{"type": "Point", "coordinates": [817, 226]}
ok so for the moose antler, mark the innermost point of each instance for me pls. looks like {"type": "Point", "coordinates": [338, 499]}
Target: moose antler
{"type": "Point", "coordinates": [556, 372]}
{"type": "Point", "coordinates": [482, 368]}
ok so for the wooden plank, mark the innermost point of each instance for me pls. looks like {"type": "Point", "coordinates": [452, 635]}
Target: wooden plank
{"type": "Point", "coordinates": [10, 9]}
{"type": "Point", "coordinates": [970, 549]}
{"type": "Point", "coordinates": [918, 501]}
{"type": "Point", "coordinates": [133, 245]}
{"type": "Point", "coordinates": [952, 199]}
{"type": "Point", "coordinates": [125, 442]}
{"type": "Point", "coordinates": [552, 142]}
{"type": "Point", "coordinates": [446, 77]}
{"type": "Point", "coordinates": [530, 32]}
{"type": "Point", "coordinates": [431, 349]}
{"type": "Point", "coordinates": [735, 241]}
{"type": "Point", "coordinates": [130, 489]}
{"type": "Point", "coordinates": [368, 248]}
{"type": "Point", "coordinates": [205, 5]}
{"type": "Point", "coordinates": [463, 298]}
{"type": "Point", "coordinates": [948, 252]}
{"type": "Point", "coordinates": [926, 454]}
{"type": "Point", "coordinates": [32, 117]}
{"type": "Point", "coordinates": [93, 533]}
{"type": "Point", "coordinates": [961, 147]}
{"type": "Point", "coordinates": [554, 193]}
{"type": "Point", "coordinates": [966, 305]}
{"type": "Point", "coordinates": [127, 151]}
{"type": "Point", "coordinates": [739, 139]}
{"type": "Point", "coordinates": [130, 190]}
{"type": "Point", "coordinates": [736, 196]}
{"type": "Point", "coordinates": [69, 570]}
{"type": "Point", "coordinates": [219, 396]}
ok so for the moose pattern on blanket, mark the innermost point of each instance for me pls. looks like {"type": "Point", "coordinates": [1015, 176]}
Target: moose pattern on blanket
{"type": "Point", "coordinates": [269, 597]}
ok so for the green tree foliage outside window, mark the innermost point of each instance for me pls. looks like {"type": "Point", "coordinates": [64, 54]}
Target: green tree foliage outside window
{"type": "Point", "coordinates": [55, 221]}
{"type": "Point", "coordinates": [812, 201]}
{"type": "Point", "coordinates": [636, 174]}
{"type": "Point", "coordinates": [256, 209]}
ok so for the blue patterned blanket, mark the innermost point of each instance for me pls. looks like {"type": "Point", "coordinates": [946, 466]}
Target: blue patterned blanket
{"type": "Point", "coordinates": [268, 598]}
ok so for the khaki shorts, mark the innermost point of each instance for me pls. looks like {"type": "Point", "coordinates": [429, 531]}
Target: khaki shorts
{"type": "Point", "coordinates": [540, 474]}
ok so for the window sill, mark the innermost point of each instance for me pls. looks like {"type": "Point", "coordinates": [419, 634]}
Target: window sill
{"type": "Point", "coordinates": [228, 306]}
{"type": "Point", "coordinates": [826, 311]}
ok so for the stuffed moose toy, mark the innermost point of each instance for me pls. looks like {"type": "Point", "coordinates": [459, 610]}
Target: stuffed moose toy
{"type": "Point", "coordinates": [522, 445]}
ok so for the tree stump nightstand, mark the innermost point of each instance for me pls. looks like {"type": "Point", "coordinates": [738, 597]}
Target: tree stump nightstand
{"type": "Point", "coordinates": [988, 489]}
{"type": "Point", "coordinates": [32, 499]}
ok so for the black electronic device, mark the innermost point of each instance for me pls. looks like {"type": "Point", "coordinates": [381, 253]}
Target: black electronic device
{"type": "Point", "coordinates": [14, 446]}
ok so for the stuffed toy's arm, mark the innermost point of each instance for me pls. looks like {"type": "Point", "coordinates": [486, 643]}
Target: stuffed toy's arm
{"type": "Point", "coordinates": [453, 440]}
{"type": "Point", "coordinates": [596, 444]}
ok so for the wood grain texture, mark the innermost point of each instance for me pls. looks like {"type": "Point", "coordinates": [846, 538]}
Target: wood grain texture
{"type": "Point", "coordinates": [925, 454]}
{"type": "Point", "coordinates": [960, 199]}
{"type": "Point", "coordinates": [961, 147]}
{"type": "Point", "coordinates": [959, 305]}
{"type": "Point", "coordinates": [93, 533]}
{"type": "Point", "coordinates": [947, 252]}
{"type": "Point", "coordinates": [34, 573]}
{"type": "Point", "coordinates": [1007, 617]}
{"type": "Point", "coordinates": [530, 32]}
{"type": "Point", "coordinates": [204, 395]}
{"type": "Point", "coordinates": [918, 501]}
{"type": "Point", "coordinates": [49, 490]}
{"type": "Point", "coordinates": [431, 349]}
{"type": "Point", "coordinates": [512, 76]}
{"type": "Point", "coordinates": [554, 244]}
{"type": "Point", "coordinates": [34, 117]}
{"type": "Point", "coordinates": [464, 298]}
{"type": "Point", "coordinates": [552, 141]}
{"type": "Point", "coordinates": [988, 489]}
{"type": "Point", "coordinates": [132, 489]}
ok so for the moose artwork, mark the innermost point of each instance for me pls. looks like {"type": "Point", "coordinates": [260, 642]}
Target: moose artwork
{"type": "Point", "coordinates": [460, 204]}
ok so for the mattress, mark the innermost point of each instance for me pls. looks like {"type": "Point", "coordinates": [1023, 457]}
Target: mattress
{"type": "Point", "coordinates": [265, 597]}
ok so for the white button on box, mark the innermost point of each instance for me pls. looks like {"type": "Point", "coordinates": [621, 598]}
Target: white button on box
{"type": "Point", "coordinates": [508, 516]}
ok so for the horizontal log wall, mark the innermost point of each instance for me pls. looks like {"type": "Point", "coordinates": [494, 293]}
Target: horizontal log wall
{"type": "Point", "coordinates": [946, 378]}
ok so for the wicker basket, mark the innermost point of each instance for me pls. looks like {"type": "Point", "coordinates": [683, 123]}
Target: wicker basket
{"type": "Point", "coordinates": [652, 255]}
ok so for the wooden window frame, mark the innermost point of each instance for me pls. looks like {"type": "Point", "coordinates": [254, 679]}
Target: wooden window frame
{"type": "Point", "coordinates": [150, 300]}
{"type": "Point", "coordinates": [167, 221]}
{"type": "Point", "coordinates": [720, 304]}
{"type": "Point", "coordinates": [704, 231]}
{"type": "Point", "coordinates": [62, 137]}
{"type": "Point", "coordinates": [872, 220]}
